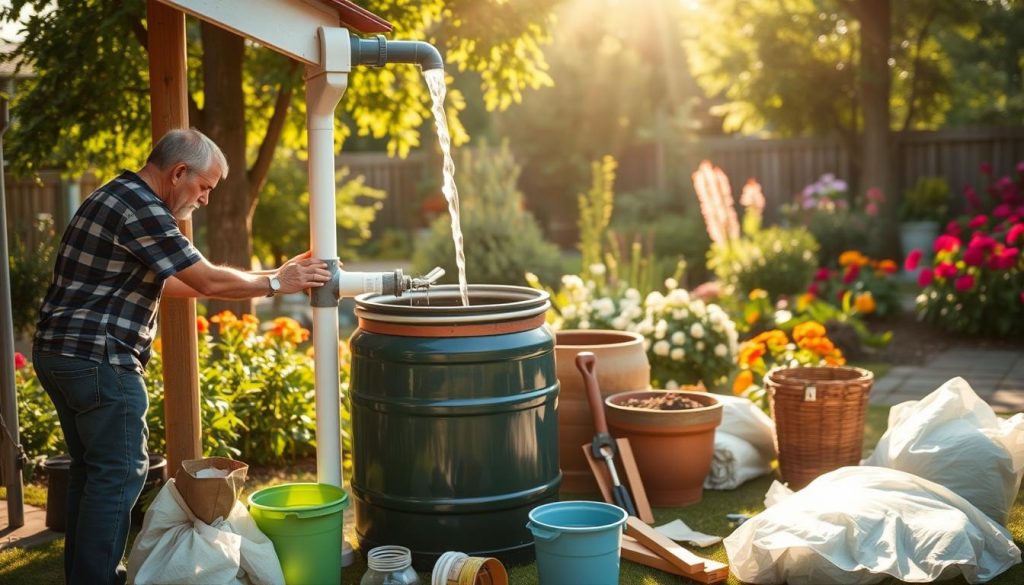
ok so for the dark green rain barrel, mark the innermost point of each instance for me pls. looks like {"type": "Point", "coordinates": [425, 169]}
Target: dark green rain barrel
{"type": "Point", "coordinates": [454, 421]}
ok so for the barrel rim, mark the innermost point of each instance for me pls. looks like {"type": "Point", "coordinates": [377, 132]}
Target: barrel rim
{"type": "Point", "coordinates": [523, 301]}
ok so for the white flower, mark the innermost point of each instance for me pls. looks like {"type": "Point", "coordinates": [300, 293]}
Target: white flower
{"type": "Point", "coordinates": [679, 296]}
{"type": "Point", "coordinates": [572, 281]}
{"type": "Point", "coordinates": [605, 307]}
{"type": "Point", "coordinates": [660, 328]}
{"type": "Point", "coordinates": [654, 299]}
{"type": "Point", "coordinates": [699, 309]}
{"type": "Point", "coordinates": [671, 385]}
{"type": "Point", "coordinates": [645, 327]}
{"type": "Point", "coordinates": [597, 269]}
{"type": "Point", "coordinates": [677, 354]}
{"type": "Point", "coordinates": [584, 324]}
{"type": "Point", "coordinates": [721, 350]}
{"type": "Point", "coordinates": [671, 283]}
{"type": "Point", "coordinates": [621, 323]}
{"type": "Point", "coordinates": [632, 294]}
{"type": "Point", "coordinates": [661, 348]}
{"type": "Point", "coordinates": [696, 330]}
{"type": "Point", "coordinates": [678, 338]}
{"type": "Point", "coordinates": [782, 315]}
{"type": "Point", "coordinates": [569, 312]}
{"type": "Point", "coordinates": [680, 314]}
{"type": "Point", "coordinates": [700, 346]}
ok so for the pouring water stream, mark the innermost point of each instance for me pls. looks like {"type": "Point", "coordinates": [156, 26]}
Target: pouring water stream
{"type": "Point", "coordinates": [438, 89]}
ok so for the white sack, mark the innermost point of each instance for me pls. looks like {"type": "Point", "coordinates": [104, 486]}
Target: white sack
{"type": "Point", "coordinates": [952, 437]}
{"type": "Point", "coordinates": [175, 547]}
{"type": "Point", "coordinates": [744, 444]}
{"type": "Point", "coordinates": [864, 524]}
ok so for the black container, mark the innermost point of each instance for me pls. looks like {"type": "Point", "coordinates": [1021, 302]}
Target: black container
{"type": "Point", "coordinates": [58, 472]}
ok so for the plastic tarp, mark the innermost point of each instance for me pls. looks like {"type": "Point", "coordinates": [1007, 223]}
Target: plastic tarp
{"type": "Point", "coordinates": [864, 524]}
{"type": "Point", "coordinates": [953, 438]}
{"type": "Point", "coordinates": [175, 547]}
{"type": "Point", "coordinates": [744, 444]}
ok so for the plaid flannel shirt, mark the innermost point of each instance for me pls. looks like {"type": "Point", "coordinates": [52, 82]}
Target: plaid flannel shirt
{"type": "Point", "coordinates": [120, 247]}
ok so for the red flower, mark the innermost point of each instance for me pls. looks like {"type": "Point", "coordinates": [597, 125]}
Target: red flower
{"type": "Point", "coordinates": [946, 243]}
{"type": "Point", "coordinates": [953, 228]}
{"type": "Point", "coordinates": [978, 221]}
{"type": "Point", "coordinates": [1022, 295]}
{"type": "Point", "coordinates": [945, 270]}
{"type": "Point", "coordinates": [851, 273]}
{"type": "Point", "coordinates": [913, 259]}
{"type": "Point", "coordinates": [1006, 259]}
{"type": "Point", "coordinates": [972, 198]}
{"type": "Point", "coordinates": [964, 283]}
{"type": "Point", "coordinates": [821, 274]}
{"type": "Point", "coordinates": [925, 277]}
{"type": "Point", "coordinates": [1002, 210]}
{"type": "Point", "coordinates": [813, 289]}
{"type": "Point", "coordinates": [974, 255]}
{"type": "Point", "coordinates": [20, 361]}
{"type": "Point", "coordinates": [1014, 233]}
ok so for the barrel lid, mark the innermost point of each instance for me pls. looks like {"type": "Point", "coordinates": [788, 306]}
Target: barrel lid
{"type": "Point", "coordinates": [487, 303]}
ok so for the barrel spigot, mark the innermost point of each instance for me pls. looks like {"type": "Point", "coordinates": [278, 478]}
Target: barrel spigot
{"type": "Point", "coordinates": [428, 279]}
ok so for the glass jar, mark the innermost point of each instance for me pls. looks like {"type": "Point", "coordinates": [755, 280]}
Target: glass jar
{"type": "Point", "coordinates": [390, 565]}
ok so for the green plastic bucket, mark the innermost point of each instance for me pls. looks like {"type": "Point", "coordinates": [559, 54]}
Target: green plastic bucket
{"type": "Point", "coordinates": [454, 421]}
{"type": "Point", "coordinates": [303, 520]}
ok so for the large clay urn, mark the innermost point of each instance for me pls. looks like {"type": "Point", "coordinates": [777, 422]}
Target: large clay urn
{"type": "Point", "coordinates": [673, 448]}
{"type": "Point", "coordinates": [621, 365]}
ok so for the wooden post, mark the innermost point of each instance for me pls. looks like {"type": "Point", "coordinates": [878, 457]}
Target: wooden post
{"type": "Point", "coordinates": [168, 95]}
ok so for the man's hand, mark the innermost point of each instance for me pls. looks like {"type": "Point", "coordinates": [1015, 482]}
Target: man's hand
{"type": "Point", "coordinates": [302, 272]}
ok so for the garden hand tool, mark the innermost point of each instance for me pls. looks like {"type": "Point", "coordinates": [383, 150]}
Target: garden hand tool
{"type": "Point", "coordinates": [603, 445]}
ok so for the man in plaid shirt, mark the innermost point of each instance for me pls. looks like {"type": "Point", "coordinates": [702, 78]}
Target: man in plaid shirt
{"type": "Point", "coordinates": [120, 252]}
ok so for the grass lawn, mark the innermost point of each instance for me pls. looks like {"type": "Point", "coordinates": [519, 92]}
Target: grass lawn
{"type": "Point", "coordinates": [43, 565]}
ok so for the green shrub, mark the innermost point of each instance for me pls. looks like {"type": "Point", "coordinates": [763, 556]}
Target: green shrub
{"type": "Point", "coordinates": [927, 200]}
{"type": "Point", "coordinates": [40, 433]}
{"type": "Point", "coordinates": [778, 260]}
{"type": "Point", "coordinates": [671, 236]}
{"type": "Point", "coordinates": [31, 269]}
{"type": "Point", "coordinates": [502, 241]}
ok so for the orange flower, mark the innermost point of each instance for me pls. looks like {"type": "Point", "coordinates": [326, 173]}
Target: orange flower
{"type": "Point", "coordinates": [224, 318]}
{"type": "Point", "coordinates": [775, 339]}
{"type": "Point", "coordinates": [753, 317]}
{"type": "Point", "coordinates": [803, 301]}
{"type": "Point", "coordinates": [852, 258]}
{"type": "Point", "coordinates": [808, 329]}
{"type": "Point", "coordinates": [157, 345]}
{"type": "Point", "coordinates": [750, 352]}
{"type": "Point", "coordinates": [887, 266]}
{"type": "Point", "coordinates": [743, 381]}
{"type": "Point", "coordinates": [288, 329]}
{"type": "Point", "coordinates": [864, 303]}
{"type": "Point", "coordinates": [202, 325]}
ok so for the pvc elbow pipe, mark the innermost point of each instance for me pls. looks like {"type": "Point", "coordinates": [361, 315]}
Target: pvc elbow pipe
{"type": "Point", "coordinates": [379, 51]}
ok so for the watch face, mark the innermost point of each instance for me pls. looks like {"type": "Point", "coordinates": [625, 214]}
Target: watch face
{"type": "Point", "coordinates": [275, 284]}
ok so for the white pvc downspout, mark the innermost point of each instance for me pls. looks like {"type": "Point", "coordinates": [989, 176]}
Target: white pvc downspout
{"type": "Point", "coordinates": [325, 84]}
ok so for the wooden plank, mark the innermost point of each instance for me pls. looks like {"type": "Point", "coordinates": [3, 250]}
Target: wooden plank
{"type": "Point", "coordinates": [664, 546]}
{"type": "Point", "coordinates": [169, 102]}
{"type": "Point", "coordinates": [601, 475]}
{"type": "Point", "coordinates": [632, 550]}
{"type": "Point", "coordinates": [634, 481]}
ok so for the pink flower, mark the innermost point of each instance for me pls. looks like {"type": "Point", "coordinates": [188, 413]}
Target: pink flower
{"type": "Point", "coordinates": [953, 228]}
{"type": "Point", "coordinates": [814, 289]}
{"type": "Point", "coordinates": [821, 274]}
{"type": "Point", "coordinates": [974, 255]}
{"type": "Point", "coordinates": [925, 277]}
{"type": "Point", "coordinates": [980, 240]}
{"type": "Point", "coordinates": [972, 198]}
{"type": "Point", "coordinates": [20, 361]}
{"type": "Point", "coordinates": [964, 283]}
{"type": "Point", "coordinates": [1021, 292]}
{"type": "Point", "coordinates": [1002, 210]}
{"type": "Point", "coordinates": [945, 270]}
{"type": "Point", "coordinates": [1020, 167]}
{"type": "Point", "coordinates": [978, 221]}
{"type": "Point", "coordinates": [946, 243]}
{"type": "Point", "coordinates": [1014, 233]}
{"type": "Point", "coordinates": [851, 273]}
{"type": "Point", "coordinates": [871, 209]}
{"type": "Point", "coordinates": [913, 259]}
{"type": "Point", "coordinates": [985, 168]}
{"type": "Point", "coordinates": [1007, 258]}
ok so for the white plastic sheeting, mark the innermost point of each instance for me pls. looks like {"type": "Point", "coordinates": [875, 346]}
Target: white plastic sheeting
{"type": "Point", "coordinates": [175, 547]}
{"type": "Point", "coordinates": [953, 438]}
{"type": "Point", "coordinates": [744, 444]}
{"type": "Point", "coordinates": [863, 524]}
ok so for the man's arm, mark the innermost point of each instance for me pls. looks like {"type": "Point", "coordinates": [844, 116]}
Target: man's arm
{"type": "Point", "coordinates": [204, 279]}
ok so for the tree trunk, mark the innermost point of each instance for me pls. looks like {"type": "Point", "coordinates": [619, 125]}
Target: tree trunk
{"type": "Point", "coordinates": [875, 32]}
{"type": "Point", "coordinates": [229, 218]}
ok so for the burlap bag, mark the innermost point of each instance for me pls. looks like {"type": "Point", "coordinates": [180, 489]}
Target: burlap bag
{"type": "Point", "coordinates": [210, 498]}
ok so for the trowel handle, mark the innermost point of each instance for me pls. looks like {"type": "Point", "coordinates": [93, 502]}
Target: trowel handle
{"type": "Point", "coordinates": [586, 363]}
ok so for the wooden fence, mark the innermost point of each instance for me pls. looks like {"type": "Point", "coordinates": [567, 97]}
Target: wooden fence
{"type": "Point", "coordinates": [783, 167]}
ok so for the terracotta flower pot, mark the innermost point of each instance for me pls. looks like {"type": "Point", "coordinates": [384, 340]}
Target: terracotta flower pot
{"type": "Point", "coordinates": [673, 448]}
{"type": "Point", "coordinates": [621, 365]}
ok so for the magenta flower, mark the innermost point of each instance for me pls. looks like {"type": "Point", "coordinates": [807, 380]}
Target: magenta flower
{"type": "Point", "coordinates": [946, 243]}
{"type": "Point", "coordinates": [1020, 168]}
{"type": "Point", "coordinates": [974, 255]}
{"type": "Point", "coordinates": [913, 259]}
{"type": "Point", "coordinates": [821, 274]}
{"type": "Point", "coordinates": [925, 277]}
{"type": "Point", "coordinates": [978, 221]}
{"type": "Point", "coordinates": [964, 283]}
{"type": "Point", "coordinates": [1002, 210]}
{"type": "Point", "coordinates": [20, 361]}
{"type": "Point", "coordinates": [851, 273]}
{"type": "Point", "coordinates": [1014, 233]}
{"type": "Point", "coordinates": [814, 289]}
{"type": "Point", "coordinates": [983, 241]}
{"type": "Point", "coordinates": [972, 198]}
{"type": "Point", "coordinates": [945, 270]}
{"type": "Point", "coordinates": [1007, 258]}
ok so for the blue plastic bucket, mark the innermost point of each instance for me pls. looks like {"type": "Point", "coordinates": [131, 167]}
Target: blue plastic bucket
{"type": "Point", "coordinates": [304, 522]}
{"type": "Point", "coordinates": [577, 543]}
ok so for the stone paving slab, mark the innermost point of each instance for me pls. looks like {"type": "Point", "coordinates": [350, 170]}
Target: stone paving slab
{"type": "Point", "coordinates": [33, 533]}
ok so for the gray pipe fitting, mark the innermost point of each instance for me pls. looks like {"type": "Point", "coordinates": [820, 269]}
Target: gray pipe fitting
{"type": "Point", "coordinates": [379, 51]}
{"type": "Point", "coordinates": [328, 295]}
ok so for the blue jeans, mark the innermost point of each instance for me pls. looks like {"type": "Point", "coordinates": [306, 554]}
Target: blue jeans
{"type": "Point", "coordinates": [102, 410]}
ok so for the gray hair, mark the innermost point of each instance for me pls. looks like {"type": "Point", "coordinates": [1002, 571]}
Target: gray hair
{"type": "Point", "coordinates": [189, 147]}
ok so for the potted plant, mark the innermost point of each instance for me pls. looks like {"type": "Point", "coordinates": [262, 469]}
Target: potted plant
{"type": "Point", "coordinates": [672, 434]}
{"type": "Point", "coordinates": [924, 206]}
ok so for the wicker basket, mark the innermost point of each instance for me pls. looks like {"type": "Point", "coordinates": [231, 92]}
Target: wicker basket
{"type": "Point", "coordinates": [819, 419]}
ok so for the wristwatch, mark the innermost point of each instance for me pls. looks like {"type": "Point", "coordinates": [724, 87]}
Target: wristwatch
{"type": "Point", "coordinates": [275, 285]}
